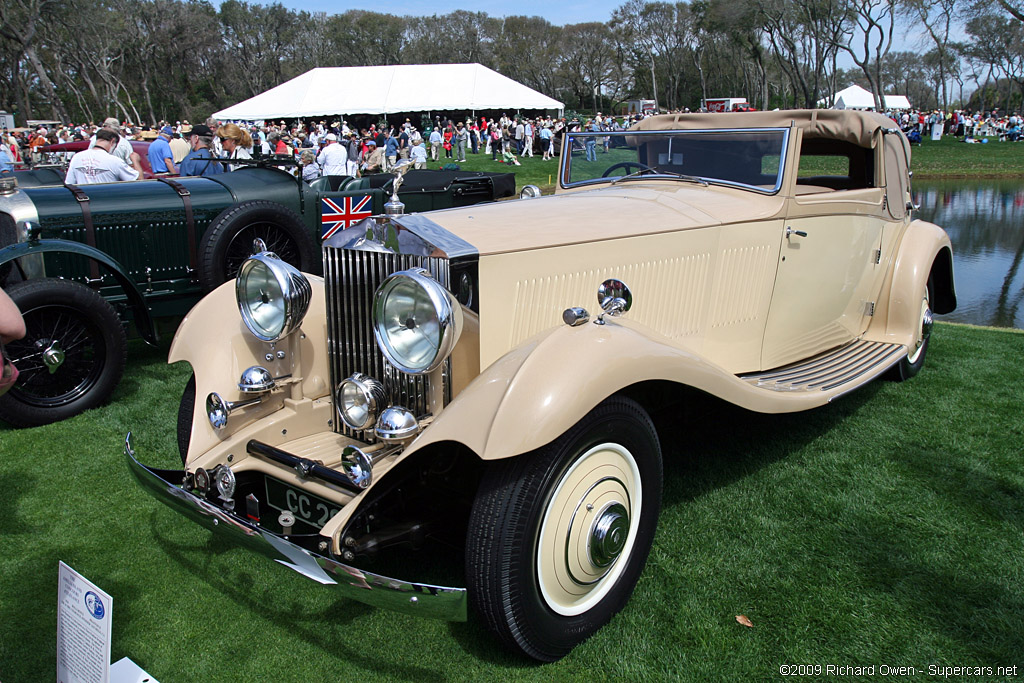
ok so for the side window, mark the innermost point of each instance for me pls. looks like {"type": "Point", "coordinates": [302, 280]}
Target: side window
{"type": "Point", "coordinates": [830, 165]}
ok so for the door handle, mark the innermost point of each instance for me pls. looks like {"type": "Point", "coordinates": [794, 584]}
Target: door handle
{"type": "Point", "coordinates": [799, 233]}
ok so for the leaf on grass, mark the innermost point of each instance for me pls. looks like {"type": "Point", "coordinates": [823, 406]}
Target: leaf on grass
{"type": "Point", "coordinates": [741, 618]}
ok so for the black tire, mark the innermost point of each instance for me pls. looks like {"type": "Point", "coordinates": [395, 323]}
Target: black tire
{"type": "Point", "coordinates": [81, 324]}
{"type": "Point", "coordinates": [522, 502]}
{"type": "Point", "coordinates": [186, 408]}
{"type": "Point", "coordinates": [228, 241]}
{"type": "Point", "coordinates": [912, 363]}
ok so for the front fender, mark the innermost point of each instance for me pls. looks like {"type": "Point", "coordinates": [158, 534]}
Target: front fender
{"type": "Point", "coordinates": [136, 301]}
{"type": "Point", "coordinates": [213, 339]}
{"type": "Point", "coordinates": [923, 246]}
{"type": "Point", "coordinates": [534, 393]}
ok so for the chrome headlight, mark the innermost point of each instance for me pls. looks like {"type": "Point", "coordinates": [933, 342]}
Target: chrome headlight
{"type": "Point", "coordinates": [273, 296]}
{"type": "Point", "coordinates": [529, 192]}
{"type": "Point", "coordinates": [415, 320]}
{"type": "Point", "coordinates": [360, 399]}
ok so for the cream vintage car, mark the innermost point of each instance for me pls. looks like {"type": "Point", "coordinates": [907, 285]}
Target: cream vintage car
{"type": "Point", "coordinates": [482, 378]}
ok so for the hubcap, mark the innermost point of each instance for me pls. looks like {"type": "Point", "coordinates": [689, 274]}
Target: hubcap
{"type": "Point", "coordinates": [926, 329]}
{"type": "Point", "coordinates": [926, 325]}
{"type": "Point", "coordinates": [588, 529]}
{"type": "Point", "coordinates": [608, 535]}
{"type": "Point", "coordinates": [53, 356]}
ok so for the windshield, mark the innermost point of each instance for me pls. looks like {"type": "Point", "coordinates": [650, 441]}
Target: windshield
{"type": "Point", "coordinates": [752, 159]}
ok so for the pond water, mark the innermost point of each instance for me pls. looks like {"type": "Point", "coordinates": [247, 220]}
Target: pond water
{"type": "Point", "coordinates": [985, 222]}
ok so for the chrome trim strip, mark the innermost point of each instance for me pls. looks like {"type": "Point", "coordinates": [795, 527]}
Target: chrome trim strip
{"type": "Point", "coordinates": [437, 602]}
{"type": "Point", "coordinates": [406, 235]}
{"type": "Point", "coordinates": [831, 369]}
{"type": "Point", "coordinates": [562, 169]}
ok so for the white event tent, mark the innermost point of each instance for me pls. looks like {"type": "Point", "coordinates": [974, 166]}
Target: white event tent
{"type": "Point", "coordinates": [856, 97]}
{"type": "Point", "coordinates": [389, 89]}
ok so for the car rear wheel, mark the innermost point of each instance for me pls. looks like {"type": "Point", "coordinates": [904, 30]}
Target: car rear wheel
{"type": "Point", "coordinates": [558, 537]}
{"type": "Point", "coordinates": [912, 363]}
{"type": "Point", "coordinates": [71, 358]}
{"type": "Point", "coordinates": [229, 241]}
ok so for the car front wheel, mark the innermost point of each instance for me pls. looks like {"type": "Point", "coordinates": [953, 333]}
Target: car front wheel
{"type": "Point", "coordinates": [72, 355]}
{"type": "Point", "coordinates": [558, 537]}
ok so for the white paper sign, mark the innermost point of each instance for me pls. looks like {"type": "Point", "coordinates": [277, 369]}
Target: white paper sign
{"type": "Point", "coordinates": [84, 615]}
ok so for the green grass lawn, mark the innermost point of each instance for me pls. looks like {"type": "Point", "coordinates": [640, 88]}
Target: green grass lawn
{"type": "Point", "coordinates": [886, 528]}
{"type": "Point", "coordinates": [951, 158]}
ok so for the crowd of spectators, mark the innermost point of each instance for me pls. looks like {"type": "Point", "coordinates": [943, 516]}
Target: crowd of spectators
{"type": "Point", "coordinates": [319, 147]}
{"type": "Point", "coordinates": [337, 148]}
{"type": "Point", "coordinates": [970, 127]}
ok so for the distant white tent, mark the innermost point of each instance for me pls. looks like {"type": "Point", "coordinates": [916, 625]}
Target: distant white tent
{"type": "Point", "coordinates": [856, 97]}
{"type": "Point", "coordinates": [389, 89]}
{"type": "Point", "coordinates": [896, 102]}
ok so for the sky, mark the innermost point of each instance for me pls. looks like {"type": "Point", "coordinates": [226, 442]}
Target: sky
{"type": "Point", "coordinates": [559, 13]}
{"type": "Point", "coordinates": [908, 37]}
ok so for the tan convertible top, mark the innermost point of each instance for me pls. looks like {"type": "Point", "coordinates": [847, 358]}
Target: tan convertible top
{"type": "Point", "coordinates": [857, 127]}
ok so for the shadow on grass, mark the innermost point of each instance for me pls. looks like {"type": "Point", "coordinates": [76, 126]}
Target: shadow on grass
{"type": "Point", "coordinates": [958, 478]}
{"type": "Point", "coordinates": [476, 641]}
{"type": "Point", "coordinates": [325, 629]}
{"type": "Point", "coordinates": [946, 596]}
{"type": "Point", "coordinates": [16, 486]}
{"type": "Point", "coordinates": [717, 443]}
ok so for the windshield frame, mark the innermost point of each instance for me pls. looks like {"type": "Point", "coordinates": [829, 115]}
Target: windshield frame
{"type": "Point", "coordinates": [563, 171]}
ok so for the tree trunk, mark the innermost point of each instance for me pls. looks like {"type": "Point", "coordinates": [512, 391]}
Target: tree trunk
{"type": "Point", "coordinates": [57, 106]}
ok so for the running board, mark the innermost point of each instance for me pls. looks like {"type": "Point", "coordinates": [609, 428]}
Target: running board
{"type": "Point", "coordinates": [831, 369]}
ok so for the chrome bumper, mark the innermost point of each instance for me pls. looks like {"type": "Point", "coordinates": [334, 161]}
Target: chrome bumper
{"type": "Point", "coordinates": [436, 602]}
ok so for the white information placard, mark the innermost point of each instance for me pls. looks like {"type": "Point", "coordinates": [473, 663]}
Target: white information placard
{"type": "Point", "coordinates": [84, 615]}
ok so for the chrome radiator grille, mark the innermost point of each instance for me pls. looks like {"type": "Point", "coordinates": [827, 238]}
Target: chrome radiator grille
{"type": "Point", "coordinates": [350, 278]}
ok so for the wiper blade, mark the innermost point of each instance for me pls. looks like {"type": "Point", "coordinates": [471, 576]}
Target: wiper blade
{"type": "Point", "coordinates": [634, 174]}
{"type": "Point", "coordinates": [654, 169]}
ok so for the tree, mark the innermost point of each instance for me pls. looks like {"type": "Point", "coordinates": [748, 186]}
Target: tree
{"type": "Point", "coordinates": [528, 49]}
{"type": "Point", "coordinates": [937, 17]}
{"type": "Point", "coordinates": [20, 22]}
{"type": "Point", "coordinates": [362, 38]}
{"type": "Point", "coordinates": [872, 22]}
{"type": "Point", "coordinates": [804, 35]}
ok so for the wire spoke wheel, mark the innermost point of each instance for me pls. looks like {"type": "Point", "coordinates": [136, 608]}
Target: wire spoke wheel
{"type": "Point", "coordinates": [240, 247]}
{"type": "Point", "coordinates": [47, 379]}
{"type": "Point", "coordinates": [72, 355]}
{"type": "Point", "coordinates": [228, 242]}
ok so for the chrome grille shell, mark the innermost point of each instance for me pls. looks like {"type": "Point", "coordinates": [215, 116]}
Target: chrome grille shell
{"type": "Point", "coordinates": [356, 261]}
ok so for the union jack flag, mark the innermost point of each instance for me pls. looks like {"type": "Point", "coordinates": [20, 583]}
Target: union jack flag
{"type": "Point", "coordinates": [342, 212]}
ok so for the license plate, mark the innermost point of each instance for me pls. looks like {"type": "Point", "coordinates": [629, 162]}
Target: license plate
{"type": "Point", "coordinates": [306, 507]}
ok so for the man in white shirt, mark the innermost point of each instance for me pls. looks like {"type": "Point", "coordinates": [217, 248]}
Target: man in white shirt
{"type": "Point", "coordinates": [124, 147]}
{"type": "Point", "coordinates": [418, 155]}
{"type": "Point", "coordinates": [99, 165]}
{"type": "Point", "coordinates": [334, 157]}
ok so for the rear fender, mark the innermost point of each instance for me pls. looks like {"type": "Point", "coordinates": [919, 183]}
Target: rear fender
{"type": "Point", "coordinates": [136, 300]}
{"type": "Point", "coordinates": [534, 393]}
{"type": "Point", "coordinates": [924, 250]}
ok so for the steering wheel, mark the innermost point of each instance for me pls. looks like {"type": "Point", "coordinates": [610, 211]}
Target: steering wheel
{"type": "Point", "coordinates": [626, 166]}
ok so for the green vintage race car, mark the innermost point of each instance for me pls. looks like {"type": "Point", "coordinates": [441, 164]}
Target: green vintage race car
{"type": "Point", "coordinates": [85, 263]}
